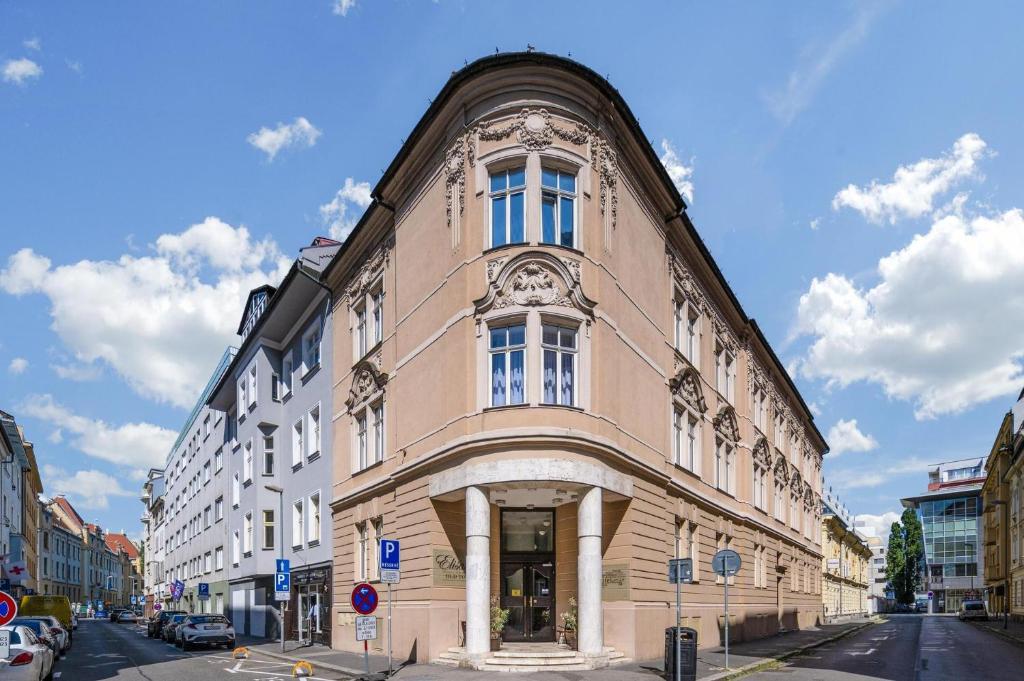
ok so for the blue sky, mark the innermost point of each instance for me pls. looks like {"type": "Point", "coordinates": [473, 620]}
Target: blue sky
{"type": "Point", "coordinates": [855, 169]}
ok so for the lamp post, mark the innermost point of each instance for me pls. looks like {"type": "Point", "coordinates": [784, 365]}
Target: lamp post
{"type": "Point", "coordinates": [280, 551]}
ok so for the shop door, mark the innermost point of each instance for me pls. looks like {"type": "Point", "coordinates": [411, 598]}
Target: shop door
{"type": "Point", "coordinates": [527, 590]}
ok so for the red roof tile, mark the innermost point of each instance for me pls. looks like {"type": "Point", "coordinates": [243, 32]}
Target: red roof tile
{"type": "Point", "coordinates": [119, 542]}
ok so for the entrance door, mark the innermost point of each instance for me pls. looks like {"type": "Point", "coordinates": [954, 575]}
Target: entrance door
{"type": "Point", "coordinates": [528, 574]}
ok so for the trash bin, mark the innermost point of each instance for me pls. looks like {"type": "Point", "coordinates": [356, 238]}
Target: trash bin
{"type": "Point", "coordinates": [687, 654]}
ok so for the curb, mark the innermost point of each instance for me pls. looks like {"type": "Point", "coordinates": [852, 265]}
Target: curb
{"type": "Point", "coordinates": [325, 665]}
{"type": "Point", "coordinates": [756, 666]}
{"type": "Point", "coordinates": [999, 632]}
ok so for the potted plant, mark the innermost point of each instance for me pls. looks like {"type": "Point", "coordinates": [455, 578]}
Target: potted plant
{"type": "Point", "coordinates": [499, 617]}
{"type": "Point", "coordinates": [569, 624]}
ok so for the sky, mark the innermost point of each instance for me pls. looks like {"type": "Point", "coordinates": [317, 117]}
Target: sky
{"type": "Point", "coordinates": [855, 168]}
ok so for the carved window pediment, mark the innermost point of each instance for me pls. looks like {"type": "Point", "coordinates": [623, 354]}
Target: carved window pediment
{"type": "Point", "coordinates": [808, 494]}
{"type": "Point", "coordinates": [534, 279]}
{"type": "Point", "coordinates": [781, 469]}
{"type": "Point", "coordinates": [367, 381]}
{"type": "Point", "coordinates": [726, 423]}
{"type": "Point", "coordinates": [686, 385]}
{"type": "Point", "coordinates": [762, 453]}
{"type": "Point", "coordinates": [796, 481]}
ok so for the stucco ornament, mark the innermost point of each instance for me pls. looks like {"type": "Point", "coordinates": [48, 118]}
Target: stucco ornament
{"type": "Point", "coordinates": [762, 453]}
{"type": "Point", "coordinates": [368, 274]}
{"type": "Point", "coordinates": [781, 469]}
{"type": "Point", "coordinates": [686, 384]}
{"type": "Point", "coordinates": [367, 381]}
{"type": "Point", "coordinates": [726, 423]}
{"type": "Point", "coordinates": [796, 481]}
{"type": "Point", "coordinates": [808, 494]}
{"type": "Point", "coordinates": [692, 290]}
{"type": "Point", "coordinates": [455, 176]}
{"type": "Point", "coordinates": [533, 279]}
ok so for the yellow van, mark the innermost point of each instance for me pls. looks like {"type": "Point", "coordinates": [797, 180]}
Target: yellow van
{"type": "Point", "coordinates": [54, 606]}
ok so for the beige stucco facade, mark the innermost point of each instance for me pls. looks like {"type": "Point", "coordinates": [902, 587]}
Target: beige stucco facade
{"type": "Point", "coordinates": [617, 476]}
{"type": "Point", "coordinates": [845, 570]}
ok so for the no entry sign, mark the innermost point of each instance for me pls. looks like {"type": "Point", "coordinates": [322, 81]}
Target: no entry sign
{"type": "Point", "coordinates": [8, 608]}
{"type": "Point", "coordinates": [364, 599]}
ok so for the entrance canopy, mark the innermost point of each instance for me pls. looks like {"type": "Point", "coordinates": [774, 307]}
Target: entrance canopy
{"type": "Point", "coordinates": [530, 482]}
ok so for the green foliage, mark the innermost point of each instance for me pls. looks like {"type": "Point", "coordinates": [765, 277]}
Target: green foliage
{"type": "Point", "coordinates": [499, 616]}
{"type": "Point", "coordinates": [904, 562]}
{"type": "Point", "coordinates": [569, 616]}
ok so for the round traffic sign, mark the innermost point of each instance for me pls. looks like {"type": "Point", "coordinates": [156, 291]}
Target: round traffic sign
{"type": "Point", "coordinates": [364, 599]}
{"type": "Point", "coordinates": [726, 563]}
{"type": "Point", "coordinates": [8, 608]}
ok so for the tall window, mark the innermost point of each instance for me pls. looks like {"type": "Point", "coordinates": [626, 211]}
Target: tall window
{"type": "Point", "coordinates": [311, 348]}
{"type": "Point", "coordinates": [236, 548]}
{"type": "Point", "coordinates": [757, 408]}
{"type": "Point", "coordinates": [268, 455]}
{"type": "Point", "coordinates": [297, 443]}
{"type": "Point", "coordinates": [218, 460]}
{"type": "Point", "coordinates": [314, 432]}
{"type": "Point", "coordinates": [235, 490]}
{"type": "Point", "coordinates": [378, 432]}
{"type": "Point", "coordinates": [687, 329]}
{"type": "Point", "coordinates": [725, 372]}
{"type": "Point", "coordinates": [780, 429]}
{"type": "Point", "coordinates": [508, 364]}
{"type": "Point", "coordinates": [686, 543]}
{"type": "Point", "coordinates": [313, 526]}
{"type": "Point", "coordinates": [559, 345]}
{"type": "Point", "coordinates": [558, 207]}
{"type": "Point", "coordinates": [218, 509]}
{"type": "Point", "coordinates": [362, 552]}
{"type": "Point", "coordinates": [686, 439]}
{"type": "Point", "coordinates": [377, 303]}
{"type": "Point", "coordinates": [218, 558]}
{"type": "Point", "coordinates": [286, 376]}
{"type": "Point", "coordinates": [241, 396]}
{"type": "Point", "coordinates": [268, 529]}
{"type": "Point", "coordinates": [361, 331]}
{"type": "Point", "coordinates": [779, 505]}
{"type": "Point", "coordinates": [725, 466]}
{"type": "Point", "coordinates": [378, 533]}
{"type": "Point", "coordinates": [247, 531]}
{"type": "Point", "coordinates": [247, 463]}
{"type": "Point", "coordinates": [361, 444]}
{"type": "Point", "coordinates": [251, 394]}
{"type": "Point", "coordinates": [297, 522]}
{"type": "Point", "coordinates": [507, 196]}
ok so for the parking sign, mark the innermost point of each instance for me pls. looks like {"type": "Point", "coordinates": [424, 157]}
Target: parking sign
{"type": "Point", "coordinates": [283, 580]}
{"type": "Point", "coordinates": [390, 561]}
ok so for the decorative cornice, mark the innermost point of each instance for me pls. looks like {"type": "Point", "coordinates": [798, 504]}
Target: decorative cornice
{"type": "Point", "coordinates": [686, 385]}
{"type": "Point", "coordinates": [726, 423]}
{"type": "Point", "coordinates": [531, 279]}
{"type": "Point", "coordinates": [688, 283]}
{"type": "Point", "coordinates": [367, 381]}
{"type": "Point", "coordinates": [372, 268]}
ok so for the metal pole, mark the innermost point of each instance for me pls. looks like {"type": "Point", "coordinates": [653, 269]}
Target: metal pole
{"type": "Point", "coordinates": [366, 656]}
{"type": "Point", "coordinates": [390, 672]}
{"type": "Point", "coordinates": [679, 670]}
{"type": "Point", "coordinates": [726, 618]}
{"type": "Point", "coordinates": [280, 553]}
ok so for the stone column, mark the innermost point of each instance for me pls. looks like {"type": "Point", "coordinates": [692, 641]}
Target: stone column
{"type": "Point", "coordinates": [590, 636]}
{"type": "Point", "coordinates": [478, 573]}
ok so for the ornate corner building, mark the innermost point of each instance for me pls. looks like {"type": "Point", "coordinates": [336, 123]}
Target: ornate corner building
{"type": "Point", "coordinates": [545, 389]}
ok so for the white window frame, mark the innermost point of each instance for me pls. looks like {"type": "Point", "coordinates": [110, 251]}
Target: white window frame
{"type": "Point", "coordinates": [558, 194]}
{"type": "Point", "coordinates": [377, 411]}
{"type": "Point", "coordinates": [507, 351]}
{"type": "Point", "coordinates": [247, 533]}
{"type": "Point", "coordinates": [507, 194]}
{"type": "Point", "coordinates": [272, 544]}
{"type": "Point", "coordinates": [253, 384]}
{"type": "Point", "coordinates": [313, 522]}
{"type": "Point", "coordinates": [236, 490]}
{"type": "Point", "coordinates": [247, 462]}
{"type": "Point", "coordinates": [287, 373]}
{"type": "Point", "coordinates": [310, 357]}
{"type": "Point", "coordinates": [377, 315]}
{"type": "Point", "coordinates": [268, 456]}
{"type": "Point", "coordinates": [362, 443]}
{"type": "Point", "coordinates": [236, 548]}
{"type": "Point", "coordinates": [560, 353]}
{"type": "Point", "coordinates": [298, 442]}
{"type": "Point", "coordinates": [218, 555]}
{"type": "Point", "coordinates": [298, 522]}
{"type": "Point", "coordinates": [313, 432]}
{"type": "Point", "coordinates": [725, 465]}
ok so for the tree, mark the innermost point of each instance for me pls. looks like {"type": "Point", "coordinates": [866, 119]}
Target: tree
{"type": "Point", "coordinates": [904, 563]}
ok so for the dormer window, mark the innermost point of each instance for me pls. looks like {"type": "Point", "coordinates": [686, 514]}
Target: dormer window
{"type": "Point", "coordinates": [558, 207]}
{"type": "Point", "coordinates": [507, 213]}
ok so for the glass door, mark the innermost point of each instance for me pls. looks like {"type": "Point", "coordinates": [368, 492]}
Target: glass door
{"type": "Point", "coordinates": [527, 587]}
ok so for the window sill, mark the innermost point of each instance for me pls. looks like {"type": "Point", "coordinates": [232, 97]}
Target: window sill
{"type": "Point", "coordinates": [247, 483]}
{"type": "Point", "coordinates": [505, 247]}
{"type": "Point", "coordinates": [247, 554]}
{"type": "Point", "coordinates": [569, 407]}
{"type": "Point", "coordinates": [373, 465]}
{"type": "Point", "coordinates": [369, 351]}
{"type": "Point", "coordinates": [313, 457]}
{"type": "Point", "coordinates": [567, 249]}
{"type": "Point", "coordinates": [309, 373]}
{"type": "Point", "coordinates": [286, 397]}
{"type": "Point", "coordinates": [266, 475]}
{"type": "Point", "coordinates": [296, 547]}
{"type": "Point", "coordinates": [524, 405]}
{"type": "Point", "coordinates": [268, 548]}
{"type": "Point", "coordinates": [313, 543]}
{"type": "Point", "coordinates": [296, 466]}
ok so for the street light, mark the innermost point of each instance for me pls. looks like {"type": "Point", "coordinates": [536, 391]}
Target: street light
{"type": "Point", "coordinates": [280, 550]}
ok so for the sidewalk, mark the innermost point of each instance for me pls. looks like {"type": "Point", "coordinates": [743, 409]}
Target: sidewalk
{"type": "Point", "coordinates": [743, 657]}
{"type": "Point", "coordinates": [1013, 632]}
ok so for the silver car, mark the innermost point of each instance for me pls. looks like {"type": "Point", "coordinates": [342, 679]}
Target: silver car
{"type": "Point", "coordinates": [57, 631]}
{"type": "Point", "coordinates": [30, 659]}
{"type": "Point", "coordinates": [210, 630]}
{"type": "Point", "coordinates": [972, 610]}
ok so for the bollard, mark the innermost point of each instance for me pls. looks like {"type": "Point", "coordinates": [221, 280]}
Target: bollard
{"type": "Point", "coordinates": [302, 669]}
{"type": "Point", "coordinates": [240, 653]}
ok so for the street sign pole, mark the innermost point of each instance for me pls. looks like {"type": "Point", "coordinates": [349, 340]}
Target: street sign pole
{"type": "Point", "coordinates": [679, 620]}
{"type": "Point", "coordinates": [389, 630]}
{"type": "Point", "coordinates": [389, 564]}
{"type": "Point", "coordinates": [726, 563]}
{"type": "Point", "coordinates": [727, 620]}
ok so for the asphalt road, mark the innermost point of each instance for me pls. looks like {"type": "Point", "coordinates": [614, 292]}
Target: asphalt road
{"type": "Point", "coordinates": [909, 648]}
{"type": "Point", "coordinates": [103, 650]}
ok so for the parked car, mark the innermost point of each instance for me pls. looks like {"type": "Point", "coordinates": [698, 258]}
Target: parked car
{"type": "Point", "coordinates": [56, 606]}
{"type": "Point", "coordinates": [972, 610]}
{"type": "Point", "coordinates": [210, 630]}
{"type": "Point", "coordinates": [127, 616]}
{"type": "Point", "coordinates": [56, 630]}
{"type": "Point", "coordinates": [114, 612]}
{"type": "Point", "coordinates": [155, 625]}
{"type": "Point", "coordinates": [41, 630]}
{"type": "Point", "coordinates": [921, 606]}
{"type": "Point", "coordinates": [171, 626]}
{"type": "Point", "coordinates": [29, 660]}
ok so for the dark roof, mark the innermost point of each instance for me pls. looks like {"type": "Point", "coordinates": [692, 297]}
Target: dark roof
{"type": "Point", "coordinates": [605, 87]}
{"type": "Point", "coordinates": [266, 288]}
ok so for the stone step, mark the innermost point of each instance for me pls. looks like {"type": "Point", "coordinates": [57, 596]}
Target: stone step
{"type": "Point", "coordinates": [535, 661]}
{"type": "Point", "coordinates": [575, 667]}
{"type": "Point", "coordinates": [512, 652]}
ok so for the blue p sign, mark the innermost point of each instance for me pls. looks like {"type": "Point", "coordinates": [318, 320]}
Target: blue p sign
{"type": "Point", "coordinates": [283, 582]}
{"type": "Point", "coordinates": [389, 554]}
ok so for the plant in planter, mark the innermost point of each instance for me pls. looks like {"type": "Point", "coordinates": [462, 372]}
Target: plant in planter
{"type": "Point", "coordinates": [569, 623]}
{"type": "Point", "coordinates": [499, 617]}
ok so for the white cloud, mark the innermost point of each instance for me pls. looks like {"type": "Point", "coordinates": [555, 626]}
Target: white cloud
{"type": "Point", "coordinates": [160, 321]}
{"type": "Point", "coordinates": [816, 63]}
{"type": "Point", "coordinates": [336, 215]}
{"type": "Point", "coordinates": [17, 366]}
{"type": "Point", "coordinates": [845, 436]}
{"type": "Point", "coordinates": [862, 477]}
{"type": "Point", "coordinates": [341, 7]}
{"type": "Point", "coordinates": [914, 188]}
{"type": "Point", "coordinates": [299, 133]}
{"type": "Point", "coordinates": [681, 174]}
{"type": "Point", "coordinates": [130, 444]}
{"type": "Point", "coordinates": [876, 525]}
{"type": "Point", "coordinates": [930, 331]}
{"type": "Point", "coordinates": [88, 489]}
{"type": "Point", "coordinates": [19, 71]}
{"type": "Point", "coordinates": [815, 223]}
{"type": "Point", "coordinates": [81, 371]}
{"type": "Point", "coordinates": [56, 437]}
{"type": "Point", "coordinates": [33, 43]}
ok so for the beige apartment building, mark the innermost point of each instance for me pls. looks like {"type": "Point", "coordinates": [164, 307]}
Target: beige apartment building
{"type": "Point", "coordinates": [846, 567]}
{"type": "Point", "coordinates": [546, 389]}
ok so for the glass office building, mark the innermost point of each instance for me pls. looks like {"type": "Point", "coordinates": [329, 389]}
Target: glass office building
{"type": "Point", "coordinates": [951, 536]}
